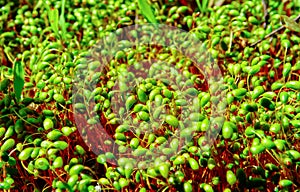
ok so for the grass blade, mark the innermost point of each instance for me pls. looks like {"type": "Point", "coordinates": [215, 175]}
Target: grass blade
{"type": "Point", "coordinates": [199, 6]}
{"type": "Point", "coordinates": [147, 11]}
{"type": "Point", "coordinates": [18, 79]}
{"type": "Point", "coordinates": [204, 5]}
{"type": "Point", "coordinates": [62, 22]}
{"type": "Point", "coordinates": [53, 18]}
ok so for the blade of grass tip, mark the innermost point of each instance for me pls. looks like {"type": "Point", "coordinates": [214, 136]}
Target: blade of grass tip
{"type": "Point", "coordinates": [18, 79]}
{"type": "Point", "coordinates": [46, 5]}
{"type": "Point", "coordinates": [147, 11]}
{"type": "Point", "coordinates": [199, 6]}
{"type": "Point", "coordinates": [62, 21]}
{"type": "Point", "coordinates": [53, 17]}
{"type": "Point", "coordinates": [204, 5]}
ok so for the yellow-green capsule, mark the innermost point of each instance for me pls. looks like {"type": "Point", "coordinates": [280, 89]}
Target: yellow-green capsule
{"type": "Point", "coordinates": [293, 85]}
{"type": "Point", "coordinates": [25, 153]}
{"type": "Point", "coordinates": [134, 143]}
{"type": "Point", "coordinates": [8, 144]}
{"type": "Point", "coordinates": [193, 164]}
{"type": "Point", "coordinates": [58, 162]}
{"type": "Point", "coordinates": [230, 177]}
{"type": "Point", "coordinates": [2, 131]}
{"type": "Point", "coordinates": [181, 102]}
{"type": "Point", "coordinates": [103, 181]}
{"type": "Point", "coordinates": [142, 96]}
{"type": "Point", "coordinates": [131, 100]}
{"type": "Point", "coordinates": [48, 124]}
{"type": "Point", "coordinates": [187, 187]}
{"type": "Point", "coordinates": [158, 99]}
{"type": "Point", "coordinates": [204, 99]}
{"type": "Point", "coordinates": [277, 85]}
{"type": "Point", "coordinates": [286, 69]}
{"type": "Point", "coordinates": [236, 69]}
{"type": "Point", "coordinates": [182, 9]}
{"type": "Point", "coordinates": [153, 93]}
{"type": "Point", "coordinates": [192, 91]}
{"type": "Point", "coordinates": [280, 144]}
{"type": "Point", "coordinates": [268, 143]}
{"type": "Point", "coordinates": [35, 152]}
{"type": "Point", "coordinates": [73, 180]}
{"type": "Point", "coordinates": [234, 12]}
{"type": "Point", "coordinates": [49, 57]}
{"type": "Point", "coordinates": [4, 85]}
{"type": "Point", "coordinates": [59, 98]}
{"type": "Point", "coordinates": [62, 145]}
{"type": "Point", "coordinates": [54, 135]}
{"type": "Point", "coordinates": [227, 130]}
{"type": "Point", "coordinates": [196, 117]}
{"type": "Point", "coordinates": [256, 149]}
{"type": "Point", "coordinates": [253, 20]}
{"type": "Point", "coordinates": [167, 93]}
{"type": "Point", "coordinates": [254, 69]}
{"type": "Point", "coordinates": [157, 113]}
{"type": "Point", "coordinates": [143, 115]}
{"type": "Point", "coordinates": [120, 136]}
{"type": "Point", "coordinates": [122, 128]}
{"type": "Point", "coordinates": [164, 169]}
{"type": "Point", "coordinates": [271, 167]}
{"type": "Point", "coordinates": [179, 160]}
{"type": "Point", "coordinates": [215, 40]}
{"type": "Point", "coordinates": [239, 92]}
{"type": "Point", "coordinates": [294, 154]}
{"type": "Point", "coordinates": [285, 183]}
{"type": "Point", "coordinates": [284, 97]}
{"type": "Point", "coordinates": [79, 149]}
{"type": "Point", "coordinates": [172, 120]}
{"type": "Point", "coordinates": [76, 169]}
{"type": "Point", "coordinates": [41, 163]}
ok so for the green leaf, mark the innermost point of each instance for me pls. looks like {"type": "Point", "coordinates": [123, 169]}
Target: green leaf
{"type": "Point", "coordinates": [53, 18]}
{"type": "Point", "coordinates": [62, 22]}
{"type": "Point", "coordinates": [290, 23]}
{"type": "Point", "coordinates": [18, 79]}
{"type": "Point", "coordinates": [199, 5]}
{"type": "Point", "coordinates": [202, 5]}
{"type": "Point", "coordinates": [147, 11]}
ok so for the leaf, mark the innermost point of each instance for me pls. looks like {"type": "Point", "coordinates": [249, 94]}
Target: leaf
{"type": "Point", "coordinates": [199, 5]}
{"type": "Point", "coordinates": [290, 23]}
{"type": "Point", "coordinates": [62, 22]}
{"type": "Point", "coordinates": [203, 5]}
{"type": "Point", "coordinates": [147, 11]}
{"type": "Point", "coordinates": [53, 17]}
{"type": "Point", "coordinates": [18, 79]}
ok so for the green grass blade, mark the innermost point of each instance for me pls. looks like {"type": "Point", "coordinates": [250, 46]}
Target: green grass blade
{"type": "Point", "coordinates": [147, 11]}
{"type": "Point", "coordinates": [62, 22]}
{"type": "Point", "coordinates": [18, 79]}
{"type": "Point", "coordinates": [204, 5]}
{"type": "Point", "coordinates": [199, 6]}
{"type": "Point", "coordinates": [53, 18]}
